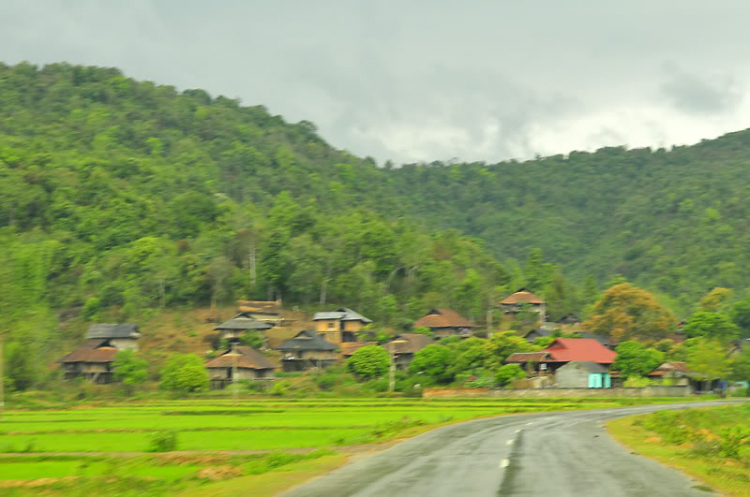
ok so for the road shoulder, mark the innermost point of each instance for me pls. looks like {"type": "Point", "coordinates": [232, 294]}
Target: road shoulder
{"type": "Point", "coordinates": [714, 475]}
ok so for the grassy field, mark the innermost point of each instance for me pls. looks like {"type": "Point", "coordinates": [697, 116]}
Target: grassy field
{"type": "Point", "coordinates": [710, 444]}
{"type": "Point", "coordinates": [220, 443]}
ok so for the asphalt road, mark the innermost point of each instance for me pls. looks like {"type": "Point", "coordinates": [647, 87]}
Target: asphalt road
{"type": "Point", "coordinates": [542, 455]}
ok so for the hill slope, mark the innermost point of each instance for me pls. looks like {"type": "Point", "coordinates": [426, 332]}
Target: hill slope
{"type": "Point", "coordinates": [119, 194]}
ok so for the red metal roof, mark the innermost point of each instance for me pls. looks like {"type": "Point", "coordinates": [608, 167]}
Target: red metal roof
{"type": "Point", "coordinates": [579, 349]}
{"type": "Point", "coordinates": [443, 318]}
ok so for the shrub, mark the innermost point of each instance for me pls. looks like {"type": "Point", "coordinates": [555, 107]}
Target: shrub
{"type": "Point", "coordinates": [163, 441]}
{"type": "Point", "coordinates": [185, 373]}
{"type": "Point", "coordinates": [369, 362]}
{"type": "Point", "coordinates": [130, 369]}
{"type": "Point", "coordinates": [506, 374]}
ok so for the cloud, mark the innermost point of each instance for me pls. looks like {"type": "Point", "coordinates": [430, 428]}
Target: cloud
{"type": "Point", "coordinates": [425, 80]}
{"type": "Point", "coordinates": [701, 95]}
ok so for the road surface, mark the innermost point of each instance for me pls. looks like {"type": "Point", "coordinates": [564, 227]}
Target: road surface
{"type": "Point", "coordinates": [541, 455]}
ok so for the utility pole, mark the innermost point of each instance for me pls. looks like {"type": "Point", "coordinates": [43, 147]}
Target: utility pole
{"type": "Point", "coordinates": [392, 373]}
{"type": "Point", "coordinates": [235, 385]}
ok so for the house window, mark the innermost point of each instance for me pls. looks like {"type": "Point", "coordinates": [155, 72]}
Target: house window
{"type": "Point", "coordinates": [331, 325]}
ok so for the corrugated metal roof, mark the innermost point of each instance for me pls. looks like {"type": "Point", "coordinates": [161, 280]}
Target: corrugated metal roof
{"type": "Point", "coordinates": [104, 330]}
{"type": "Point", "coordinates": [579, 349]}
{"type": "Point", "coordinates": [342, 314]}
{"type": "Point", "coordinates": [240, 322]}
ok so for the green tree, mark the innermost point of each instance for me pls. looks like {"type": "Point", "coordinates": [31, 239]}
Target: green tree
{"type": "Point", "coordinates": [130, 369]}
{"type": "Point", "coordinates": [708, 360]}
{"type": "Point", "coordinates": [432, 361]}
{"type": "Point", "coordinates": [501, 345]}
{"type": "Point", "coordinates": [711, 325]}
{"type": "Point", "coordinates": [508, 373]}
{"type": "Point", "coordinates": [714, 300]}
{"type": "Point", "coordinates": [625, 311]}
{"type": "Point", "coordinates": [740, 314]}
{"type": "Point", "coordinates": [184, 373]}
{"type": "Point", "coordinates": [369, 362]}
{"type": "Point", "coordinates": [19, 367]}
{"type": "Point", "coordinates": [741, 366]}
{"type": "Point", "coordinates": [634, 359]}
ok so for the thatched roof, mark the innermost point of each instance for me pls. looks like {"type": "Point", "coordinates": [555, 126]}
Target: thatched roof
{"type": "Point", "coordinates": [523, 297]}
{"type": "Point", "coordinates": [443, 318]}
{"type": "Point", "coordinates": [409, 343]}
{"type": "Point", "coordinates": [247, 358]}
{"type": "Point", "coordinates": [89, 354]}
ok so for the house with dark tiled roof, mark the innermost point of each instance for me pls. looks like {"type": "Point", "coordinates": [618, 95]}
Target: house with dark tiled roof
{"type": "Point", "coordinates": [240, 324]}
{"type": "Point", "coordinates": [246, 362]}
{"type": "Point", "coordinates": [446, 322]}
{"type": "Point", "coordinates": [523, 299]}
{"type": "Point", "coordinates": [341, 325]}
{"type": "Point", "coordinates": [403, 347]}
{"type": "Point", "coordinates": [307, 349]}
{"type": "Point", "coordinates": [93, 360]}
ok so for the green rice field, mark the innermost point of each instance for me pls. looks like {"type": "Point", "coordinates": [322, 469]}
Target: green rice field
{"type": "Point", "coordinates": [79, 445]}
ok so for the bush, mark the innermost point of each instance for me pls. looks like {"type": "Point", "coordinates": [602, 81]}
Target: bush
{"type": "Point", "coordinates": [506, 374]}
{"type": "Point", "coordinates": [185, 373]}
{"type": "Point", "coordinates": [163, 441]}
{"type": "Point", "coordinates": [369, 362]}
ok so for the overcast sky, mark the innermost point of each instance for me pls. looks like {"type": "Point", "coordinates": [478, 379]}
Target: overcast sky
{"type": "Point", "coordinates": [427, 80]}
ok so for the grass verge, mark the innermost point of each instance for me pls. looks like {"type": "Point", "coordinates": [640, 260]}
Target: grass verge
{"type": "Point", "coordinates": [725, 475]}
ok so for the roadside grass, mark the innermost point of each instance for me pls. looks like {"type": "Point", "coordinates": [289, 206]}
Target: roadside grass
{"type": "Point", "coordinates": [695, 441]}
{"type": "Point", "coordinates": [271, 483]}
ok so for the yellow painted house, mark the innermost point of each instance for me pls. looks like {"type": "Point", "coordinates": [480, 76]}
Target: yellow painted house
{"type": "Point", "coordinates": [340, 325]}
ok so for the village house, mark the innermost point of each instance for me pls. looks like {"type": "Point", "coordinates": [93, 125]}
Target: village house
{"type": "Point", "coordinates": [248, 363]}
{"type": "Point", "coordinates": [562, 351]}
{"type": "Point", "coordinates": [93, 361]}
{"type": "Point", "coordinates": [583, 374]}
{"type": "Point", "coordinates": [240, 324]}
{"type": "Point", "coordinates": [341, 325]}
{"type": "Point", "coordinates": [349, 348]}
{"type": "Point", "coordinates": [677, 372]}
{"type": "Point", "coordinates": [267, 311]}
{"type": "Point", "coordinates": [306, 350]}
{"type": "Point", "coordinates": [446, 322]}
{"type": "Point", "coordinates": [523, 299]}
{"type": "Point", "coordinates": [402, 347]}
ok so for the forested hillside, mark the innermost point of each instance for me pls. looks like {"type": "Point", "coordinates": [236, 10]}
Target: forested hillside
{"type": "Point", "coordinates": [120, 196]}
{"type": "Point", "coordinates": [674, 221]}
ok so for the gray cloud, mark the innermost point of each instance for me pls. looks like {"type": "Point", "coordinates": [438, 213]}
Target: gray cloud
{"type": "Point", "coordinates": [425, 79]}
{"type": "Point", "coordinates": [696, 94]}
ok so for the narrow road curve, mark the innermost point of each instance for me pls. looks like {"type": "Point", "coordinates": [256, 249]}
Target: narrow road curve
{"type": "Point", "coordinates": [544, 454]}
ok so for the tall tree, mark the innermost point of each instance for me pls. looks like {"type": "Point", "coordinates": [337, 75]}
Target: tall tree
{"type": "Point", "coordinates": [625, 311]}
